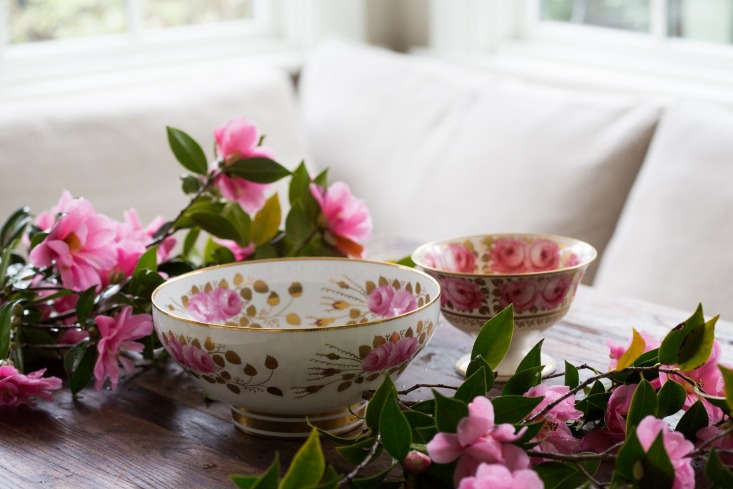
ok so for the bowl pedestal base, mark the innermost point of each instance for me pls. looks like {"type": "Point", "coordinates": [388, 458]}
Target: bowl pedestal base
{"type": "Point", "coordinates": [504, 375]}
{"type": "Point", "coordinates": [289, 426]}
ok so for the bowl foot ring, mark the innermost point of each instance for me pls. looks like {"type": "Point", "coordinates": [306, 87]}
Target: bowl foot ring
{"type": "Point", "coordinates": [547, 361]}
{"type": "Point", "coordinates": [292, 426]}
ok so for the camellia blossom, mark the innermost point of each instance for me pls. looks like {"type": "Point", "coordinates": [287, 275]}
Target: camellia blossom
{"type": "Point", "coordinates": [46, 219]}
{"type": "Point", "coordinates": [118, 333]}
{"type": "Point", "coordinates": [615, 420]}
{"type": "Point", "coordinates": [725, 443]}
{"type": "Point", "coordinates": [555, 436]}
{"type": "Point", "coordinates": [677, 447]}
{"type": "Point", "coordinates": [345, 217]}
{"type": "Point", "coordinates": [190, 356]}
{"type": "Point", "coordinates": [218, 305]}
{"type": "Point", "coordinates": [497, 476]}
{"type": "Point", "coordinates": [17, 388]}
{"type": "Point", "coordinates": [617, 351]}
{"type": "Point", "coordinates": [80, 245]}
{"type": "Point", "coordinates": [416, 462]}
{"type": "Point", "coordinates": [390, 354]}
{"type": "Point", "coordinates": [235, 140]}
{"type": "Point", "coordinates": [133, 226]}
{"type": "Point", "coordinates": [388, 302]}
{"type": "Point", "coordinates": [479, 440]}
{"type": "Point", "coordinates": [238, 252]}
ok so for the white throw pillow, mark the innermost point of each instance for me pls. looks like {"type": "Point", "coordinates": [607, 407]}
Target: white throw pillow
{"type": "Point", "coordinates": [439, 151]}
{"type": "Point", "coordinates": [674, 242]}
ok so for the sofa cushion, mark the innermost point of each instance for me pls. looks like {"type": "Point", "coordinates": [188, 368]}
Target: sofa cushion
{"type": "Point", "coordinates": [440, 151]}
{"type": "Point", "coordinates": [674, 241]}
{"type": "Point", "coordinates": [109, 145]}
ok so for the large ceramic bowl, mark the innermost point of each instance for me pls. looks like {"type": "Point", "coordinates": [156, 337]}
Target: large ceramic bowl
{"type": "Point", "coordinates": [289, 339]}
{"type": "Point", "coordinates": [481, 275]}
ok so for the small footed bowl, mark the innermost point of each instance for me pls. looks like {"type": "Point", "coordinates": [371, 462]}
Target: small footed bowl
{"type": "Point", "coordinates": [481, 275]}
{"type": "Point", "coordinates": [288, 341]}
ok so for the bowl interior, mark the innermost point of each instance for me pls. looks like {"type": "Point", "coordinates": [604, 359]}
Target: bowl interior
{"type": "Point", "coordinates": [505, 254]}
{"type": "Point", "coordinates": [296, 293]}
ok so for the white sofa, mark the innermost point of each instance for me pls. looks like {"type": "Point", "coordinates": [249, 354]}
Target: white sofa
{"type": "Point", "coordinates": [436, 150]}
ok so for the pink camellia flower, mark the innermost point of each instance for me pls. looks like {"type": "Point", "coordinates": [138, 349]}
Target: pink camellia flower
{"type": "Point", "coordinates": [478, 440]}
{"type": "Point", "coordinates": [218, 305]}
{"type": "Point", "coordinates": [390, 354]}
{"type": "Point", "coordinates": [710, 380]}
{"type": "Point", "coordinates": [555, 436]}
{"type": "Point", "coordinates": [72, 336]}
{"type": "Point", "coordinates": [615, 421]}
{"type": "Point", "coordinates": [190, 356]}
{"type": "Point", "coordinates": [46, 219]}
{"type": "Point", "coordinates": [725, 443]}
{"type": "Point", "coordinates": [463, 295]}
{"type": "Point", "coordinates": [522, 293]}
{"type": "Point", "coordinates": [345, 217]}
{"type": "Point", "coordinates": [17, 388]}
{"type": "Point", "coordinates": [238, 252]}
{"type": "Point", "coordinates": [508, 255]}
{"type": "Point", "coordinates": [554, 291]}
{"type": "Point", "coordinates": [80, 245]}
{"type": "Point", "coordinates": [497, 476]}
{"type": "Point", "coordinates": [145, 235]}
{"type": "Point", "coordinates": [676, 446]}
{"type": "Point", "coordinates": [617, 351]}
{"type": "Point", "coordinates": [118, 333]}
{"type": "Point", "coordinates": [416, 462]}
{"type": "Point", "coordinates": [235, 140]}
{"type": "Point", "coordinates": [542, 254]}
{"type": "Point", "coordinates": [388, 302]}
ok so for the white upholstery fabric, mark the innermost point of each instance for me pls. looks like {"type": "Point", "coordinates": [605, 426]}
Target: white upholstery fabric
{"type": "Point", "coordinates": [110, 145]}
{"type": "Point", "coordinates": [674, 242]}
{"type": "Point", "coordinates": [440, 151]}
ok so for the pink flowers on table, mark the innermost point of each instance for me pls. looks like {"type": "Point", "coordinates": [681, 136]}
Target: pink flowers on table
{"type": "Point", "coordinates": [346, 218]}
{"type": "Point", "coordinates": [17, 388]}
{"type": "Point", "coordinates": [390, 354]}
{"type": "Point", "coordinates": [118, 333]}
{"type": "Point", "coordinates": [555, 436]}
{"type": "Point", "coordinates": [235, 140]}
{"type": "Point", "coordinates": [676, 446]}
{"type": "Point", "coordinates": [497, 476]}
{"type": "Point", "coordinates": [190, 356]}
{"type": "Point", "coordinates": [462, 294]}
{"type": "Point", "coordinates": [388, 302]}
{"type": "Point", "coordinates": [218, 305]}
{"type": "Point", "coordinates": [512, 255]}
{"type": "Point", "coordinates": [478, 440]}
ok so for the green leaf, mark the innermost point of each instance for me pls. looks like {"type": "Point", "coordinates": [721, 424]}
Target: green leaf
{"type": "Point", "coordinates": [148, 261]}
{"type": "Point", "coordinates": [629, 459]}
{"type": "Point", "coordinates": [216, 225]}
{"type": "Point", "coordinates": [322, 179]}
{"type": "Point", "coordinates": [694, 419]}
{"type": "Point", "coordinates": [299, 182]}
{"type": "Point", "coordinates": [728, 383]}
{"type": "Point", "coordinates": [720, 475]}
{"type": "Point", "coordinates": [495, 337]}
{"type": "Point", "coordinates": [406, 262]}
{"type": "Point", "coordinates": [79, 363]}
{"type": "Point", "coordinates": [658, 472]}
{"type": "Point", "coordinates": [474, 385]}
{"type": "Point", "coordinates": [697, 346]}
{"type": "Point", "coordinates": [187, 151]}
{"type": "Point", "coordinates": [671, 398]}
{"type": "Point", "coordinates": [307, 465]}
{"type": "Point", "coordinates": [564, 475]}
{"type": "Point", "coordinates": [37, 239]}
{"type": "Point", "coordinates": [222, 255]}
{"type": "Point", "coordinates": [189, 242]}
{"type": "Point", "coordinates": [257, 169]}
{"type": "Point", "coordinates": [394, 429]}
{"type": "Point", "coordinates": [6, 323]}
{"type": "Point", "coordinates": [268, 480]}
{"type": "Point", "coordinates": [374, 408]}
{"type": "Point", "coordinates": [14, 226]}
{"type": "Point", "coordinates": [533, 358]}
{"type": "Point", "coordinates": [513, 409]}
{"type": "Point", "coordinates": [240, 220]}
{"type": "Point", "coordinates": [267, 250]}
{"type": "Point", "coordinates": [531, 431]}
{"type": "Point", "coordinates": [266, 221]}
{"type": "Point", "coordinates": [427, 406]}
{"type": "Point", "coordinates": [298, 226]}
{"type": "Point", "coordinates": [356, 452]}
{"type": "Point", "coordinates": [480, 363]}
{"type": "Point", "coordinates": [190, 184]}
{"type": "Point", "coordinates": [448, 412]}
{"type": "Point", "coordinates": [520, 382]}
{"type": "Point", "coordinates": [643, 403]}
{"type": "Point", "coordinates": [85, 304]}
{"type": "Point", "coordinates": [244, 481]}
{"type": "Point", "coordinates": [373, 481]}
{"type": "Point", "coordinates": [572, 378]}
{"type": "Point", "coordinates": [670, 351]}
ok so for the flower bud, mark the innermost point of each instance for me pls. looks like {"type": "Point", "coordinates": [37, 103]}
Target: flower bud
{"type": "Point", "coordinates": [416, 462]}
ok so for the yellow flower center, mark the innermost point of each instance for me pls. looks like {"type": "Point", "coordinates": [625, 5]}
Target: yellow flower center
{"type": "Point", "coordinates": [73, 241]}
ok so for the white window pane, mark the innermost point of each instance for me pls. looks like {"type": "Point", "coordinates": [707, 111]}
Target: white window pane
{"type": "Point", "coordinates": [632, 15]}
{"type": "Point", "coordinates": [39, 20]}
{"type": "Point", "coordinates": [167, 13]}
{"type": "Point", "coordinates": [711, 20]}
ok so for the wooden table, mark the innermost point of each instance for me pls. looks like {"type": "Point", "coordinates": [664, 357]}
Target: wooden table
{"type": "Point", "coordinates": [157, 431]}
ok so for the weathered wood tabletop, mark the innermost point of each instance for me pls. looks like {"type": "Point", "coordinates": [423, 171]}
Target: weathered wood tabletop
{"type": "Point", "coordinates": [157, 431]}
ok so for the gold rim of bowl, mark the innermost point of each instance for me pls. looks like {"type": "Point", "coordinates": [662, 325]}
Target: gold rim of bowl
{"type": "Point", "coordinates": [161, 310]}
{"type": "Point", "coordinates": [555, 237]}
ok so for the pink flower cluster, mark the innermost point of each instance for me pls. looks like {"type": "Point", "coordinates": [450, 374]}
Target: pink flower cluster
{"type": "Point", "coordinates": [555, 436]}
{"type": "Point", "coordinates": [90, 249]}
{"type": "Point", "coordinates": [542, 293]}
{"type": "Point", "coordinates": [346, 218]}
{"type": "Point", "coordinates": [511, 255]}
{"type": "Point", "coordinates": [218, 305]}
{"type": "Point", "coordinates": [190, 356]}
{"type": "Point", "coordinates": [17, 388]}
{"type": "Point", "coordinates": [388, 355]}
{"type": "Point", "coordinates": [479, 440]}
{"type": "Point", "coordinates": [676, 446]}
{"type": "Point", "coordinates": [462, 294]}
{"type": "Point", "coordinates": [388, 302]}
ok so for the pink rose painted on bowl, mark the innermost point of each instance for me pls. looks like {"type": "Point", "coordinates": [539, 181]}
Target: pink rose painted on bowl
{"type": "Point", "coordinates": [388, 355]}
{"type": "Point", "coordinates": [189, 356]}
{"type": "Point", "coordinates": [554, 291]}
{"type": "Point", "coordinates": [388, 302]}
{"type": "Point", "coordinates": [217, 305]}
{"type": "Point", "coordinates": [572, 260]}
{"type": "Point", "coordinates": [508, 255]}
{"type": "Point", "coordinates": [462, 295]}
{"type": "Point", "coordinates": [542, 255]}
{"type": "Point", "coordinates": [521, 293]}
{"type": "Point", "coordinates": [460, 259]}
